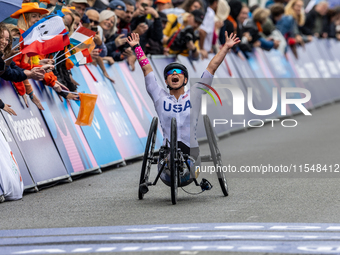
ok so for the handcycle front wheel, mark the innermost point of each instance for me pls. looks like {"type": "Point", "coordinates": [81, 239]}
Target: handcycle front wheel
{"type": "Point", "coordinates": [148, 156]}
{"type": "Point", "coordinates": [216, 155]}
{"type": "Point", "coordinates": [173, 161]}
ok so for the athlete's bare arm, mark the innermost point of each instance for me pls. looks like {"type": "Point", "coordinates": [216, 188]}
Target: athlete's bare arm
{"type": "Point", "coordinates": [218, 58]}
{"type": "Point", "coordinates": [134, 40]}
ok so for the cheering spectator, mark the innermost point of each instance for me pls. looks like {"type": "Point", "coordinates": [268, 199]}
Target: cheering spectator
{"type": "Point", "coordinates": [27, 16]}
{"type": "Point", "coordinates": [294, 8]}
{"type": "Point", "coordinates": [332, 22]}
{"type": "Point", "coordinates": [254, 28]}
{"type": "Point", "coordinates": [186, 6]}
{"type": "Point", "coordinates": [181, 34]}
{"type": "Point", "coordinates": [76, 21]}
{"type": "Point", "coordinates": [125, 23]}
{"type": "Point", "coordinates": [206, 30]}
{"type": "Point", "coordinates": [315, 21]}
{"type": "Point", "coordinates": [163, 5]}
{"type": "Point", "coordinates": [191, 5]}
{"type": "Point", "coordinates": [98, 39]}
{"type": "Point", "coordinates": [231, 24]}
{"type": "Point", "coordinates": [146, 28]}
{"type": "Point", "coordinates": [68, 19]}
{"type": "Point", "coordinates": [119, 8]}
{"type": "Point", "coordinates": [80, 6]}
{"type": "Point", "coordinates": [11, 72]}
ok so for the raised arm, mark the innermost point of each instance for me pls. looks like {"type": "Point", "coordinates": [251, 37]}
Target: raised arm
{"type": "Point", "coordinates": [133, 40]}
{"type": "Point", "coordinates": [218, 58]}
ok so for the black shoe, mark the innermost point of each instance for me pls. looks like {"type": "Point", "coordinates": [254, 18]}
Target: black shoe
{"type": "Point", "coordinates": [205, 185]}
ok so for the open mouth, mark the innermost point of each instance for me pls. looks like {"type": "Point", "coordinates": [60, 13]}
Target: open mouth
{"type": "Point", "coordinates": [175, 79]}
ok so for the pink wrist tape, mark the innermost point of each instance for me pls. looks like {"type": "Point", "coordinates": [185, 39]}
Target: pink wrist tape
{"type": "Point", "coordinates": [144, 62]}
{"type": "Point", "coordinates": [139, 52]}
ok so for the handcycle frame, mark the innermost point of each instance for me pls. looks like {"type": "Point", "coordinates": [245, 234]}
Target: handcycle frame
{"type": "Point", "coordinates": [177, 159]}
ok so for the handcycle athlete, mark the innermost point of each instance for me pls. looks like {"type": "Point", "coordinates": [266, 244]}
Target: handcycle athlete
{"type": "Point", "coordinates": [178, 112]}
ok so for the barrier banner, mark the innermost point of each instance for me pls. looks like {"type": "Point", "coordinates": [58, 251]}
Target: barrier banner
{"type": "Point", "coordinates": [33, 139]}
{"type": "Point", "coordinates": [307, 67]}
{"type": "Point", "coordinates": [140, 95]}
{"type": "Point", "coordinates": [262, 97]}
{"type": "Point", "coordinates": [131, 101]}
{"type": "Point", "coordinates": [282, 70]}
{"type": "Point", "coordinates": [98, 135]}
{"type": "Point", "coordinates": [118, 122]}
{"type": "Point", "coordinates": [26, 176]}
{"type": "Point", "coordinates": [63, 130]}
{"type": "Point", "coordinates": [326, 69]}
{"type": "Point", "coordinates": [333, 47]}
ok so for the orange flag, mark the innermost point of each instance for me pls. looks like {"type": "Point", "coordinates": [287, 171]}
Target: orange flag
{"type": "Point", "coordinates": [86, 110]}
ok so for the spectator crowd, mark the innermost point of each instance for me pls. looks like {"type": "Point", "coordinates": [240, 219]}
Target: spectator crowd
{"type": "Point", "coordinates": [191, 28]}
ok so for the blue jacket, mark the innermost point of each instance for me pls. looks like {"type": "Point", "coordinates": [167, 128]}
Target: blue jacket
{"type": "Point", "coordinates": [14, 73]}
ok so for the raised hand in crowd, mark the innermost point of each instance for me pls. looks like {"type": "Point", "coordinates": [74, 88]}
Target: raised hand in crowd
{"type": "Point", "coordinates": [47, 61]}
{"type": "Point", "coordinates": [139, 12]}
{"type": "Point", "coordinates": [204, 54]}
{"type": "Point", "coordinates": [109, 59]}
{"type": "Point", "coordinates": [131, 62]}
{"type": "Point", "coordinates": [141, 29]}
{"type": "Point", "coordinates": [119, 41]}
{"type": "Point", "coordinates": [35, 100]}
{"type": "Point", "coordinates": [48, 68]}
{"type": "Point", "coordinates": [97, 40]}
{"type": "Point", "coordinates": [95, 54]}
{"type": "Point", "coordinates": [7, 108]}
{"type": "Point", "coordinates": [63, 87]}
{"type": "Point", "coordinates": [152, 11]}
{"type": "Point", "coordinates": [72, 96]}
{"type": "Point", "coordinates": [24, 97]}
{"type": "Point", "coordinates": [36, 73]}
{"type": "Point", "coordinates": [128, 52]}
{"type": "Point", "coordinates": [57, 87]}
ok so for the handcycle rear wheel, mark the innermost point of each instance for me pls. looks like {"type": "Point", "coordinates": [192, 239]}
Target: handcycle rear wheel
{"type": "Point", "coordinates": [173, 161]}
{"type": "Point", "coordinates": [148, 155]}
{"type": "Point", "coordinates": [216, 155]}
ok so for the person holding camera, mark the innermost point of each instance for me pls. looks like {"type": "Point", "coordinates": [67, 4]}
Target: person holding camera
{"type": "Point", "coordinates": [181, 34]}
{"type": "Point", "coordinates": [147, 23]}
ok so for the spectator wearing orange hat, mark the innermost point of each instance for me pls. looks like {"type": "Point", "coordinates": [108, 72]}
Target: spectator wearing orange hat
{"type": "Point", "coordinates": [163, 4]}
{"type": "Point", "coordinates": [27, 16]}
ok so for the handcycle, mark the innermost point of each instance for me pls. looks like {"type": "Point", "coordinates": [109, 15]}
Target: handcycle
{"type": "Point", "coordinates": [173, 161]}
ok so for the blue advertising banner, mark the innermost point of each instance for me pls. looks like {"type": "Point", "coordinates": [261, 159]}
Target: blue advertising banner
{"type": "Point", "coordinates": [326, 69]}
{"type": "Point", "coordinates": [118, 122]}
{"type": "Point", "coordinates": [262, 95]}
{"type": "Point", "coordinates": [33, 138]}
{"type": "Point", "coordinates": [59, 121]}
{"type": "Point", "coordinates": [132, 102]}
{"type": "Point", "coordinates": [25, 174]}
{"type": "Point", "coordinates": [144, 102]}
{"type": "Point", "coordinates": [307, 67]}
{"type": "Point", "coordinates": [98, 134]}
{"type": "Point", "coordinates": [282, 70]}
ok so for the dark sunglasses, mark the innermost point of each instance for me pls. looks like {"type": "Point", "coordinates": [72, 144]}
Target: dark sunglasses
{"type": "Point", "coordinates": [178, 71]}
{"type": "Point", "coordinates": [96, 23]}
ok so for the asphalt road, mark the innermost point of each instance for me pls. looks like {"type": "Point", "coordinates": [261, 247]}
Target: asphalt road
{"type": "Point", "coordinates": [110, 198]}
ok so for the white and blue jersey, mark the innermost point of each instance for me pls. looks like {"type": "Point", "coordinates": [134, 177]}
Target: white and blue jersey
{"type": "Point", "coordinates": [186, 109]}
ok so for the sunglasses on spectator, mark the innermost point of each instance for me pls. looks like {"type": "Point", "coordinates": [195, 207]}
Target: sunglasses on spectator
{"type": "Point", "coordinates": [178, 71]}
{"type": "Point", "coordinates": [96, 23]}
